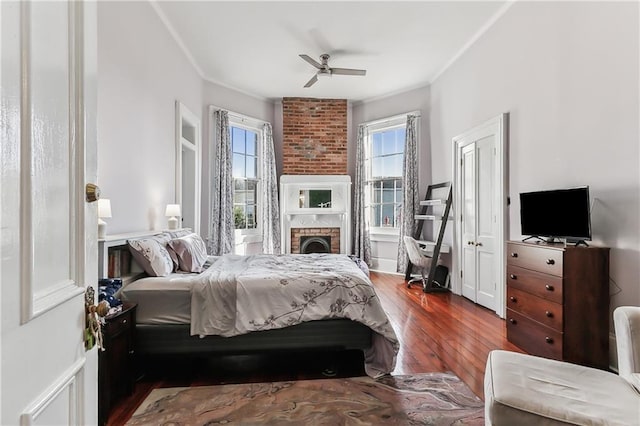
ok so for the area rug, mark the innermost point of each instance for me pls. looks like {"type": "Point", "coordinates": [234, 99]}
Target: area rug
{"type": "Point", "coordinates": [421, 399]}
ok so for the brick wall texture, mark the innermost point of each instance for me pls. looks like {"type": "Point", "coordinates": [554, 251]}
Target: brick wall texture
{"type": "Point", "coordinates": [334, 233]}
{"type": "Point", "coordinates": [314, 136]}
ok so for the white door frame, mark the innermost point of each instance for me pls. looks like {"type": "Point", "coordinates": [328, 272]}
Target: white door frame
{"type": "Point", "coordinates": [186, 120]}
{"type": "Point", "coordinates": [501, 191]}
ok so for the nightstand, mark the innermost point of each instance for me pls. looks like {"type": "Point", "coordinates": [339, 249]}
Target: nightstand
{"type": "Point", "coordinates": [116, 363]}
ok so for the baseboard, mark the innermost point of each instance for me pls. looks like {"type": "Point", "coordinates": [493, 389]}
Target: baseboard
{"type": "Point", "coordinates": [388, 266]}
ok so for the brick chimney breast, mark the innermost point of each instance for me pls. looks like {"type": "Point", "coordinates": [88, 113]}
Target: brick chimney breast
{"type": "Point", "coordinates": [314, 136]}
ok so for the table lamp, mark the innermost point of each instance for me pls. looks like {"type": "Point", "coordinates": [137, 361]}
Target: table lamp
{"type": "Point", "coordinates": [172, 211]}
{"type": "Point", "coordinates": [104, 210]}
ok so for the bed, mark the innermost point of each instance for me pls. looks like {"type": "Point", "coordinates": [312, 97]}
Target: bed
{"type": "Point", "coordinates": [264, 302]}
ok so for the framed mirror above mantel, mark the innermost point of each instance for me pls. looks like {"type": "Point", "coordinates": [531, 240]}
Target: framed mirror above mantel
{"type": "Point", "coordinates": [188, 163]}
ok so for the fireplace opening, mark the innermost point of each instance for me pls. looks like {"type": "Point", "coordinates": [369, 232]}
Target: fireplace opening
{"type": "Point", "coordinates": [315, 244]}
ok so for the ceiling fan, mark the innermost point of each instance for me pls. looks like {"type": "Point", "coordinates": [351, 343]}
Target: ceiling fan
{"type": "Point", "coordinates": [324, 70]}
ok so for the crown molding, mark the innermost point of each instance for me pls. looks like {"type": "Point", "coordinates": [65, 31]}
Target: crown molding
{"type": "Point", "coordinates": [487, 25]}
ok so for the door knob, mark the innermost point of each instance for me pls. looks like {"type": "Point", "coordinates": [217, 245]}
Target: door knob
{"type": "Point", "coordinates": [92, 192]}
{"type": "Point", "coordinates": [478, 244]}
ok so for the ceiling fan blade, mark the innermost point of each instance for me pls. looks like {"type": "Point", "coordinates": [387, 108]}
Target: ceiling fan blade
{"type": "Point", "coordinates": [348, 71]}
{"type": "Point", "coordinates": [311, 61]}
{"type": "Point", "coordinates": [312, 81]}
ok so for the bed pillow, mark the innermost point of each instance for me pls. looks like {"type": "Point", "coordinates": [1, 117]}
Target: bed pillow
{"type": "Point", "coordinates": [152, 256]}
{"type": "Point", "coordinates": [179, 233]}
{"type": "Point", "coordinates": [191, 252]}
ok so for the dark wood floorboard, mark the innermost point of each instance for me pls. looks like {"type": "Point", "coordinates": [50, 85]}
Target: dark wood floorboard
{"type": "Point", "coordinates": [438, 332]}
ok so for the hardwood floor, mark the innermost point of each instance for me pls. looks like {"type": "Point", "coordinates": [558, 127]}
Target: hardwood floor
{"type": "Point", "coordinates": [437, 331]}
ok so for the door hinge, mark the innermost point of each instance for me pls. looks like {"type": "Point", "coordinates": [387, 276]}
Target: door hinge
{"type": "Point", "coordinates": [461, 162]}
{"type": "Point", "coordinates": [460, 273]}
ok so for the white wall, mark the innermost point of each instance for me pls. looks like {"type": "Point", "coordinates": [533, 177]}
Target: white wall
{"type": "Point", "coordinates": [385, 249]}
{"type": "Point", "coordinates": [141, 73]}
{"type": "Point", "coordinates": [568, 75]}
{"type": "Point", "coordinates": [223, 97]}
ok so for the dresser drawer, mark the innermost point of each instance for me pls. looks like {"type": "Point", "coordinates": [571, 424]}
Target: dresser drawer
{"type": "Point", "coordinates": [533, 337]}
{"type": "Point", "coordinates": [542, 259]}
{"type": "Point", "coordinates": [541, 310]}
{"type": "Point", "coordinates": [542, 285]}
{"type": "Point", "coordinates": [117, 325]}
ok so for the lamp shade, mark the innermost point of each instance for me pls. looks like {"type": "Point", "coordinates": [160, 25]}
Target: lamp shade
{"type": "Point", "coordinates": [172, 210]}
{"type": "Point", "coordinates": [104, 207]}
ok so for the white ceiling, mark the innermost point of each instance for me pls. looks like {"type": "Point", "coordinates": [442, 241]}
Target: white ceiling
{"type": "Point", "coordinates": [253, 47]}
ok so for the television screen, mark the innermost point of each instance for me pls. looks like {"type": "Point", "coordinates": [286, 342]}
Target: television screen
{"type": "Point", "coordinates": [561, 213]}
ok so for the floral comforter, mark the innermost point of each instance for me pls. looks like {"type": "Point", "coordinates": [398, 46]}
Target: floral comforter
{"type": "Point", "coordinates": [240, 294]}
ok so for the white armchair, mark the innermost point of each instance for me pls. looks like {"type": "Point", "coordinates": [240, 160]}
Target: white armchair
{"type": "Point", "coordinates": [528, 390]}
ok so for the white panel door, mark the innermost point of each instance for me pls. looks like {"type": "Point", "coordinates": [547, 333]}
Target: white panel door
{"type": "Point", "coordinates": [478, 236]}
{"type": "Point", "coordinates": [49, 244]}
{"type": "Point", "coordinates": [485, 222]}
{"type": "Point", "coordinates": [468, 248]}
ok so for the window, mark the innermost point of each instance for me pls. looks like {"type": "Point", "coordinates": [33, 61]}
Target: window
{"type": "Point", "coordinates": [385, 157]}
{"type": "Point", "coordinates": [246, 179]}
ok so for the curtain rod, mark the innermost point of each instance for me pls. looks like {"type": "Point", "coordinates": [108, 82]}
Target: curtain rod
{"type": "Point", "coordinates": [395, 117]}
{"type": "Point", "coordinates": [234, 114]}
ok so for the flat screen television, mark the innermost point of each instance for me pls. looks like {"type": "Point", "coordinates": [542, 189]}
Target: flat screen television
{"type": "Point", "coordinates": [560, 213]}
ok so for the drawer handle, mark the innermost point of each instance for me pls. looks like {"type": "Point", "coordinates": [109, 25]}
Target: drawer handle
{"type": "Point", "coordinates": [514, 254]}
{"type": "Point", "coordinates": [551, 262]}
{"type": "Point", "coordinates": [513, 277]}
{"type": "Point", "coordinates": [513, 321]}
{"type": "Point", "coordinates": [131, 352]}
{"type": "Point", "coordinates": [548, 339]}
{"type": "Point", "coordinates": [513, 299]}
{"type": "Point", "coordinates": [124, 321]}
{"type": "Point", "coordinates": [549, 314]}
{"type": "Point", "coordinates": [549, 287]}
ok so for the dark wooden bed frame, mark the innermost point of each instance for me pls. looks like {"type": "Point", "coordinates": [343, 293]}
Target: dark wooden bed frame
{"type": "Point", "coordinates": [335, 334]}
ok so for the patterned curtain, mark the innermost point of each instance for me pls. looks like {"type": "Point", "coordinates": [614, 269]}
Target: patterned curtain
{"type": "Point", "coordinates": [221, 241]}
{"type": "Point", "coordinates": [410, 200]}
{"type": "Point", "coordinates": [361, 241]}
{"type": "Point", "coordinates": [270, 210]}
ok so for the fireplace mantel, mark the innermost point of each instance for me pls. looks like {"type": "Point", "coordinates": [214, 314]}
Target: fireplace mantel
{"type": "Point", "coordinates": [295, 215]}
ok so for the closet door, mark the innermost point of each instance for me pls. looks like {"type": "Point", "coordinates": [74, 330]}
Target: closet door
{"type": "Point", "coordinates": [468, 172]}
{"type": "Point", "coordinates": [478, 221]}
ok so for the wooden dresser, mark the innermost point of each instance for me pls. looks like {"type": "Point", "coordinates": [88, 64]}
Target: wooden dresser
{"type": "Point", "coordinates": [558, 301]}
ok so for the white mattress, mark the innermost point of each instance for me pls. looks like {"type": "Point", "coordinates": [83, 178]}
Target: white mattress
{"type": "Point", "coordinates": [161, 300]}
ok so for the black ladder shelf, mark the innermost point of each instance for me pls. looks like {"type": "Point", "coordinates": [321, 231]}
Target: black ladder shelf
{"type": "Point", "coordinates": [427, 212]}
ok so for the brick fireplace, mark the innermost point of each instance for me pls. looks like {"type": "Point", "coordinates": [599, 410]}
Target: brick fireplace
{"type": "Point", "coordinates": [300, 236]}
{"type": "Point", "coordinates": [329, 216]}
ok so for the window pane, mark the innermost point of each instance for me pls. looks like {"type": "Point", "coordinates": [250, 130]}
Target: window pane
{"type": "Point", "coordinates": [387, 214]}
{"type": "Point", "coordinates": [238, 165]}
{"type": "Point", "coordinates": [237, 140]}
{"type": "Point", "coordinates": [393, 165]}
{"type": "Point", "coordinates": [377, 167]}
{"type": "Point", "coordinates": [252, 143]}
{"type": "Point", "coordinates": [252, 193]}
{"type": "Point", "coordinates": [399, 194]}
{"type": "Point", "coordinates": [240, 193]}
{"type": "Point", "coordinates": [388, 191]}
{"type": "Point", "coordinates": [377, 144]}
{"type": "Point", "coordinates": [389, 144]}
{"type": "Point", "coordinates": [400, 137]}
{"type": "Point", "coordinates": [377, 192]}
{"type": "Point", "coordinates": [251, 167]}
{"type": "Point", "coordinates": [375, 215]}
{"type": "Point", "coordinates": [239, 217]}
{"type": "Point", "coordinates": [251, 216]}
